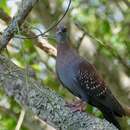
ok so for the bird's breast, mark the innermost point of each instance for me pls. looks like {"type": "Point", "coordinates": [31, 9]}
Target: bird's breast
{"type": "Point", "coordinates": [66, 68]}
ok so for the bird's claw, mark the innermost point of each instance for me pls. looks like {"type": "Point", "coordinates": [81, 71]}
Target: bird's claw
{"type": "Point", "coordinates": [77, 106]}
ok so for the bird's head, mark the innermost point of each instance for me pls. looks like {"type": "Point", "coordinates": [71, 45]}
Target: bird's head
{"type": "Point", "coordinates": [61, 34]}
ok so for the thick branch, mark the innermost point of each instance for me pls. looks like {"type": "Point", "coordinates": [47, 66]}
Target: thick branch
{"type": "Point", "coordinates": [17, 21]}
{"type": "Point", "coordinates": [45, 103]}
{"type": "Point", "coordinates": [48, 48]}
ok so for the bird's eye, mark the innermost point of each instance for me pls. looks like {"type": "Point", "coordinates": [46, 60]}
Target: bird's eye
{"type": "Point", "coordinates": [61, 29]}
{"type": "Point", "coordinates": [64, 29]}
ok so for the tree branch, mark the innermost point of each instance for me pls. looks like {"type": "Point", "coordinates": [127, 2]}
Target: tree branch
{"type": "Point", "coordinates": [17, 21]}
{"type": "Point", "coordinates": [114, 52]}
{"type": "Point", "coordinates": [46, 47]}
{"type": "Point", "coordinates": [43, 102]}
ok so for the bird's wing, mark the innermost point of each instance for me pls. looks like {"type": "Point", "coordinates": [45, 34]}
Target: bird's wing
{"type": "Point", "coordinates": [90, 81]}
{"type": "Point", "coordinates": [95, 88]}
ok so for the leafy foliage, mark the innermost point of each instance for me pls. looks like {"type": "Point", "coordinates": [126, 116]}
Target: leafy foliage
{"type": "Point", "coordinates": [106, 25]}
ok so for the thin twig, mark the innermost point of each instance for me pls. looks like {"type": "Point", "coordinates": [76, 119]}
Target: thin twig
{"type": "Point", "coordinates": [80, 40]}
{"type": "Point", "coordinates": [46, 47]}
{"type": "Point", "coordinates": [20, 120]}
{"type": "Point", "coordinates": [114, 52]}
{"type": "Point", "coordinates": [50, 28]}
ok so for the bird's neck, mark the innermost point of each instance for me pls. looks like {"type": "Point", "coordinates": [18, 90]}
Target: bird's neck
{"type": "Point", "coordinates": [63, 48]}
{"type": "Point", "coordinates": [66, 54]}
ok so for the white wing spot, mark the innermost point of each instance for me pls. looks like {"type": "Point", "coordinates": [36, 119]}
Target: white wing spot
{"type": "Point", "coordinates": [102, 92]}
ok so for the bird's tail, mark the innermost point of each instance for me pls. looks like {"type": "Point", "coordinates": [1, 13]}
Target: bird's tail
{"type": "Point", "coordinates": [117, 110]}
{"type": "Point", "coordinates": [111, 109]}
{"type": "Point", "coordinates": [111, 118]}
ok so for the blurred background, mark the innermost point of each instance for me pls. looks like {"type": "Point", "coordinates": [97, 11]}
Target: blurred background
{"type": "Point", "coordinates": [98, 29]}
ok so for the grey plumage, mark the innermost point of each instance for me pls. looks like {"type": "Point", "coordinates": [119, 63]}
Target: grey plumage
{"type": "Point", "coordinates": [81, 78]}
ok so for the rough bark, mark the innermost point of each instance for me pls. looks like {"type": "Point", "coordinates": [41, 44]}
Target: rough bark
{"type": "Point", "coordinates": [43, 102]}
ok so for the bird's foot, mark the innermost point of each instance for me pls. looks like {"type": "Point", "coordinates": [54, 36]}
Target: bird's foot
{"type": "Point", "coordinates": [77, 105]}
